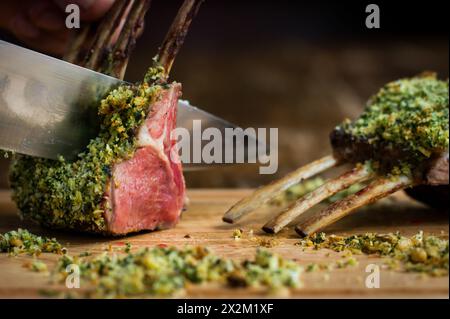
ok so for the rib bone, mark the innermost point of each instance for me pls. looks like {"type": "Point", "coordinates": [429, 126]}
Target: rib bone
{"type": "Point", "coordinates": [176, 34]}
{"type": "Point", "coordinates": [132, 29]}
{"type": "Point", "coordinates": [75, 45]}
{"type": "Point", "coordinates": [379, 188]}
{"type": "Point", "coordinates": [90, 48]}
{"type": "Point", "coordinates": [104, 32]}
{"type": "Point", "coordinates": [357, 174]}
{"type": "Point", "coordinates": [265, 193]}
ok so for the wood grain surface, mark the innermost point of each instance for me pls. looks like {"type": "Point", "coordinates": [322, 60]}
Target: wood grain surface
{"type": "Point", "coordinates": [202, 222]}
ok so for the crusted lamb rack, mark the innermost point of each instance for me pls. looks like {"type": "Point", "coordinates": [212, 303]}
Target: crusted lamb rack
{"type": "Point", "coordinates": [128, 179]}
{"type": "Point", "coordinates": [399, 142]}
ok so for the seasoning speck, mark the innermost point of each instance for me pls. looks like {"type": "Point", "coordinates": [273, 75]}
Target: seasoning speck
{"type": "Point", "coordinates": [20, 241]}
{"type": "Point", "coordinates": [167, 271]}
{"type": "Point", "coordinates": [418, 253]}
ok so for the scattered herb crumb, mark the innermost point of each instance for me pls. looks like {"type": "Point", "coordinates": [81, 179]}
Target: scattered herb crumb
{"type": "Point", "coordinates": [344, 263]}
{"type": "Point", "coordinates": [267, 242]}
{"type": "Point", "coordinates": [237, 234]}
{"type": "Point", "coordinates": [339, 264]}
{"type": "Point", "coordinates": [261, 241]}
{"type": "Point", "coordinates": [36, 265]}
{"type": "Point", "coordinates": [20, 241]}
{"type": "Point", "coordinates": [85, 254]}
{"type": "Point", "coordinates": [166, 271]}
{"type": "Point", "coordinates": [418, 253]}
{"type": "Point", "coordinates": [314, 267]}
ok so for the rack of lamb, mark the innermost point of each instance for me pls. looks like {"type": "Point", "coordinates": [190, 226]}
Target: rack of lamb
{"type": "Point", "coordinates": [399, 142]}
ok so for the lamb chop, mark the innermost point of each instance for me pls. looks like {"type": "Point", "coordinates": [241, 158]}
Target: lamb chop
{"type": "Point", "coordinates": [128, 179]}
{"type": "Point", "coordinates": [399, 142]}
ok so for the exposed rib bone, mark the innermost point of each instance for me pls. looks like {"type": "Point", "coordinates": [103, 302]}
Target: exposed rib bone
{"type": "Point", "coordinates": [357, 174]}
{"type": "Point", "coordinates": [116, 32]}
{"type": "Point", "coordinates": [73, 51]}
{"type": "Point", "coordinates": [177, 33]}
{"type": "Point", "coordinates": [378, 189]}
{"type": "Point", "coordinates": [265, 193]}
{"type": "Point", "coordinates": [127, 39]}
{"type": "Point", "coordinates": [105, 31]}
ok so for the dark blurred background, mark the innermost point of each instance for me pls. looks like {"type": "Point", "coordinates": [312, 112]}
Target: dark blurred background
{"type": "Point", "coordinates": [299, 66]}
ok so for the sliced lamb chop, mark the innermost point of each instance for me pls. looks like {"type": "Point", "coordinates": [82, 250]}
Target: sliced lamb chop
{"type": "Point", "coordinates": [147, 191]}
{"type": "Point", "coordinates": [399, 142]}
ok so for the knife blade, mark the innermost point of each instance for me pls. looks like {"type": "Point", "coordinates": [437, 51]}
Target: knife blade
{"type": "Point", "coordinates": [44, 105]}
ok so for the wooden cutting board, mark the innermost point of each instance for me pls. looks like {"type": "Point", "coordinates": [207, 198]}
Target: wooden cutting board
{"type": "Point", "coordinates": [202, 222]}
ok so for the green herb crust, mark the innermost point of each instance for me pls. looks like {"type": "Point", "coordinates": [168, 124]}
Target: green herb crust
{"type": "Point", "coordinates": [64, 194]}
{"type": "Point", "coordinates": [167, 271]}
{"type": "Point", "coordinates": [20, 241]}
{"type": "Point", "coordinates": [408, 114]}
{"type": "Point", "coordinates": [418, 253]}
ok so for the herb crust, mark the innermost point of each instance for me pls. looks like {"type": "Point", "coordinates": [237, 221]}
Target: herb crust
{"type": "Point", "coordinates": [409, 114]}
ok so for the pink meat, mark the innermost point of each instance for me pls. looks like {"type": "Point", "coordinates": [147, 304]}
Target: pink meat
{"type": "Point", "coordinates": [147, 192]}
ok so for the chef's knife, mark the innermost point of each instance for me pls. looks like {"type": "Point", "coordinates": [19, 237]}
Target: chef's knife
{"type": "Point", "coordinates": [44, 105]}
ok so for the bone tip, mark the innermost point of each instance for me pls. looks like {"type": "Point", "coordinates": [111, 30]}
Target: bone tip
{"type": "Point", "coordinates": [301, 232]}
{"type": "Point", "coordinates": [228, 219]}
{"type": "Point", "coordinates": [269, 229]}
